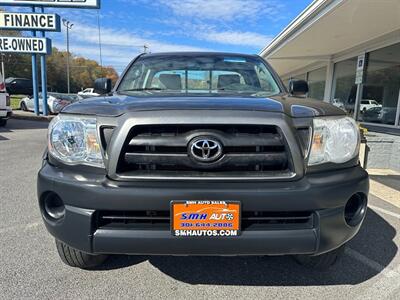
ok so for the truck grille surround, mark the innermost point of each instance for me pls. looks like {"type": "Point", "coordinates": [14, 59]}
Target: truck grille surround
{"type": "Point", "coordinates": [205, 151]}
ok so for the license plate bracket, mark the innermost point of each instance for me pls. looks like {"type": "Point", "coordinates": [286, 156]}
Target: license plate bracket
{"type": "Point", "coordinates": [205, 218]}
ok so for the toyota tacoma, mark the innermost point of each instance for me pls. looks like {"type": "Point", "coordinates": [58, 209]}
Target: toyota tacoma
{"type": "Point", "coordinates": [202, 154]}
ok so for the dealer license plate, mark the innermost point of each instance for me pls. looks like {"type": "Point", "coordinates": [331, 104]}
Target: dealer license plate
{"type": "Point", "coordinates": [205, 218]}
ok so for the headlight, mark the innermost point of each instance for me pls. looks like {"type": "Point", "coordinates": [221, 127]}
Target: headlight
{"type": "Point", "coordinates": [334, 140]}
{"type": "Point", "coordinates": [74, 140]}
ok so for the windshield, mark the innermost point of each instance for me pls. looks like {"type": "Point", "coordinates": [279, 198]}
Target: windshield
{"type": "Point", "coordinates": [204, 75]}
{"type": "Point", "coordinates": [68, 97]}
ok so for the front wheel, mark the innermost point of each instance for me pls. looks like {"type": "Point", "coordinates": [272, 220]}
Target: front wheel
{"type": "Point", "coordinates": [3, 122]}
{"type": "Point", "coordinates": [23, 106]}
{"type": "Point", "coordinates": [322, 261]}
{"type": "Point", "coordinates": [78, 259]}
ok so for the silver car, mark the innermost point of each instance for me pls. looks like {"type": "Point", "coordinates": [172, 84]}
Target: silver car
{"type": "Point", "coordinates": [55, 102]}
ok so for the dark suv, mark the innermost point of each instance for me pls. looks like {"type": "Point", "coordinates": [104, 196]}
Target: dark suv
{"type": "Point", "coordinates": [202, 154]}
{"type": "Point", "coordinates": [19, 86]}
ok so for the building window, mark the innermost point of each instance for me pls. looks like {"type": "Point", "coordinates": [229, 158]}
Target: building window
{"type": "Point", "coordinates": [300, 77]}
{"type": "Point", "coordinates": [286, 82]}
{"type": "Point", "coordinates": [344, 87]}
{"type": "Point", "coordinates": [316, 83]}
{"type": "Point", "coordinates": [381, 89]}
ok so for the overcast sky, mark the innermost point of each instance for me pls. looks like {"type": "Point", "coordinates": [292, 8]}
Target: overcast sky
{"type": "Point", "coordinates": [174, 25]}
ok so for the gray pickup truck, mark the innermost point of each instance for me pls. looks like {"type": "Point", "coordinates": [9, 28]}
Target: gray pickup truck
{"type": "Point", "coordinates": [202, 154]}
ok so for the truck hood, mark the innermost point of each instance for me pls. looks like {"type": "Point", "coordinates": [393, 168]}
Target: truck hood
{"type": "Point", "coordinates": [120, 104]}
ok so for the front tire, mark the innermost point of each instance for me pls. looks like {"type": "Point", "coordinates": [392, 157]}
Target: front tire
{"type": "Point", "coordinates": [78, 259]}
{"type": "Point", "coordinates": [3, 122]}
{"type": "Point", "coordinates": [23, 106]}
{"type": "Point", "coordinates": [320, 262]}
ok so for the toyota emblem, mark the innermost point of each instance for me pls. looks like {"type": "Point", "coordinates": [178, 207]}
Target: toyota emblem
{"type": "Point", "coordinates": [205, 149]}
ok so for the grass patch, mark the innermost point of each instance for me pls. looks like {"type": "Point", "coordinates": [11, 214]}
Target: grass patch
{"type": "Point", "coordinates": [15, 101]}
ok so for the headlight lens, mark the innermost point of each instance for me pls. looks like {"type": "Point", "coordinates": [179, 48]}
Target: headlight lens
{"type": "Point", "coordinates": [335, 140]}
{"type": "Point", "coordinates": [74, 140]}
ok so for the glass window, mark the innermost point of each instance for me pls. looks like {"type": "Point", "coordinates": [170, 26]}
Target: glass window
{"type": "Point", "coordinates": [344, 87]}
{"type": "Point", "coordinates": [382, 85]}
{"type": "Point", "coordinates": [161, 79]}
{"type": "Point", "coordinates": [300, 77]}
{"type": "Point", "coordinates": [217, 76]}
{"type": "Point", "coordinates": [205, 74]}
{"type": "Point", "coordinates": [316, 83]}
{"type": "Point", "coordinates": [198, 80]}
{"type": "Point", "coordinates": [286, 82]}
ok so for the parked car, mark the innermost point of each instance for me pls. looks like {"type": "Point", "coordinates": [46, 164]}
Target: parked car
{"type": "Point", "coordinates": [87, 93]}
{"type": "Point", "coordinates": [384, 115]}
{"type": "Point", "coordinates": [202, 154]}
{"type": "Point", "coordinates": [55, 102]}
{"type": "Point", "coordinates": [367, 104]}
{"type": "Point", "coordinates": [19, 86]}
{"type": "Point", "coordinates": [5, 103]}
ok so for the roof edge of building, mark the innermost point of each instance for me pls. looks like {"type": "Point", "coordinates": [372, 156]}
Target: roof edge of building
{"type": "Point", "coordinates": [309, 13]}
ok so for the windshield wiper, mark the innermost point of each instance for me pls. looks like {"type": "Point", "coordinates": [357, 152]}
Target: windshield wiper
{"type": "Point", "coordinates": [143, 89]}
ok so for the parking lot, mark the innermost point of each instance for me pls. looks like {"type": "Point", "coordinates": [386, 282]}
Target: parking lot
{"type": "Point", "coordinates": [30, 267]}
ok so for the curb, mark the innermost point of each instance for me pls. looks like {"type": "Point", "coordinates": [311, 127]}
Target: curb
{"type": "Point", "coordinates": [385, 193]}
{"type": "Point", "coordinates": [31, 117]}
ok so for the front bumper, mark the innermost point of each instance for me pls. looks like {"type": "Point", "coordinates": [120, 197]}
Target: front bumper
{"type": "Point", "coordinates": [5, 113]}
{"type": "Point", "coordinates": [85, 194]}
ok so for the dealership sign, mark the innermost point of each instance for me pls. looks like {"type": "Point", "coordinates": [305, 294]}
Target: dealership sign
{"type": "Point", "coordinates": [59, 3]}
{"type": "Point", "coordinates": [36, 45]}
{"type": "Point", "coordinates": [32, 45]}
{"type": "Point", "coordinates": [30, 21]}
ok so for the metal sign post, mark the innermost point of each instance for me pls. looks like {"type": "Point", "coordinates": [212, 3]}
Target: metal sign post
{"type": "Point", "coordinates": [34, 77]}
{"type": "Point", "coordinates": [362, 62]}
{"type": "Point", "coordinates": [43, 73]}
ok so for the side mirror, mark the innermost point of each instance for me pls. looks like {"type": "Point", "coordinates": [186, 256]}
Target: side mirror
{"type": "Point", "coordinates": [298, 87]}
{"type": "Point", "coordinates": [102, 86]}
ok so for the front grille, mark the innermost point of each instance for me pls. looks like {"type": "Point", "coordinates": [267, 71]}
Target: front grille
{"type": "Point", "coordinates": [258, 220]}
{"type": "Point", "coordinates": [149, 219]}
{"type": "Point", "coordinates": [163, 151]}
{"type": "Point", "coordinates": [277, 220]}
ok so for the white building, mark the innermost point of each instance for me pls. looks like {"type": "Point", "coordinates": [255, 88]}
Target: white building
{"type": "Point", "coordinates": [322, 45]}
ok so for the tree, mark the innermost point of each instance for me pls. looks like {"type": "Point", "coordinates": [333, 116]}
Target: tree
{"type": "Point", "coordinates": [85, 71]}
{"type": "Point", "coordinates": [17, 65]}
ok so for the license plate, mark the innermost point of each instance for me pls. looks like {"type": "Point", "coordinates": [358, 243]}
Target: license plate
{"type": "Point", "coordinates": [205, 218]}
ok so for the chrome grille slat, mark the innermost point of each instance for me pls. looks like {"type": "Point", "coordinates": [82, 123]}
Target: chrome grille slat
{"type": "Point", "coordinates": [178, 158]}
{"type": "Point", "coordinates": [228, 141]}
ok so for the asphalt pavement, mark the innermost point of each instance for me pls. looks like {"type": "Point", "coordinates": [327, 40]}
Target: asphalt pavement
{"type": "Point", "coordinates": [30, 267]}
{"type": "Point", "coordinates": [392, 181]}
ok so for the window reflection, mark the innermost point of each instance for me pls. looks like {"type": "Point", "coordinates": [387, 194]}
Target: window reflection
{"type": "Point", "coordinates": [344, 87]}
{"type": "Point", "coordinates": [381, 90]}
{"type": "Point", "coordinates": [316, 83]}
